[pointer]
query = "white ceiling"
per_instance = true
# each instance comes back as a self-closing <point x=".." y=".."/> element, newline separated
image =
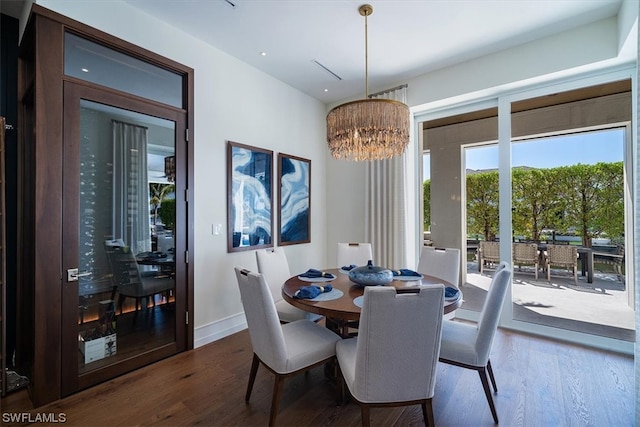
<point x="407" y="38"/>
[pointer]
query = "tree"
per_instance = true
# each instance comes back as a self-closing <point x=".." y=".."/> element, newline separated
<point x="594" y="195"/>
<point x="157" y="193"/>
<point x="611" y="215"/>
<point x="167" y="213"/>
<point x="426" y="194"/>
<point x="482" y="204"/>
<point x="535" y="202"/>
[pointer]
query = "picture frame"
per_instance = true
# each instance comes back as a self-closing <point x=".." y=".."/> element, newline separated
<point x="294" y="200"/>
<point x="249" y="197"/>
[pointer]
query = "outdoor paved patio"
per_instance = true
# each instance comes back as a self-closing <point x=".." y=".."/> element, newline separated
<point x="599" y="308"/>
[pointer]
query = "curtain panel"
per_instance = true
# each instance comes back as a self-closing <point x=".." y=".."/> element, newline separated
<point x="385" y="200"/>
<point x="130" y="186"/>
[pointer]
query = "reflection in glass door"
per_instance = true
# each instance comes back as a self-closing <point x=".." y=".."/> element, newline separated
<point x="124" y="275"/>
<point x="125" y="289"/>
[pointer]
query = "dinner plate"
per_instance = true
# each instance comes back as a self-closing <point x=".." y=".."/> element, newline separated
<point x="357" y="301"/>
<point x="328" y="296"/>
<point x="408" y="278"/>
<point x="316" y="279"/>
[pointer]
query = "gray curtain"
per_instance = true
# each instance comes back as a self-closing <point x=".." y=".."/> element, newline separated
<point x="385" y="201"/>
<point x="130" y="186"/>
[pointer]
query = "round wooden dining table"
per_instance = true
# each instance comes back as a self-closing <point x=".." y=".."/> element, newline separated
<point x="343" y="309"/>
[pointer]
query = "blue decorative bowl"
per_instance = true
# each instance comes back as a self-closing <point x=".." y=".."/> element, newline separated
<point x="369" y="275"/>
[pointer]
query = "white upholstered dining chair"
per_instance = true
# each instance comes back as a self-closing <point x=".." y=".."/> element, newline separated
<point x="389" y="364"/>
<point x="443" y="263"/>
<point x="284" y="349"/>
<point x="467" y="345"/>
<point x="273" y="265"/>
<point x="357" y="254"/>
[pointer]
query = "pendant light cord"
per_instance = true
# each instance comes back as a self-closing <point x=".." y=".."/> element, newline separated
<point x="366" y="58"/>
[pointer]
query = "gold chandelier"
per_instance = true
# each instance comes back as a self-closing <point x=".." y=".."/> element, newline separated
<point x="368" y="129"/>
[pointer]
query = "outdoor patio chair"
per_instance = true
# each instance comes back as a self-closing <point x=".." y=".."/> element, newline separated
<point x="489" y="253"/>
<point x="526" y="254"/>
<point x="564" y="256"/>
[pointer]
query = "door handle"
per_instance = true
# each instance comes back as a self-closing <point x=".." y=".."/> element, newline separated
<point x="73" y="274"/>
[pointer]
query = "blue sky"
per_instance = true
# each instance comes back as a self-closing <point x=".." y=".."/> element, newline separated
<point x="584" y="148"/>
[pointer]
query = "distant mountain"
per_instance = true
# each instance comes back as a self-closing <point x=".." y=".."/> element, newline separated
<point x="474" y="171"/>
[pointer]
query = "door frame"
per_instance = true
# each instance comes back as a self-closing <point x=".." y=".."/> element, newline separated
<point x="40" y="159"/>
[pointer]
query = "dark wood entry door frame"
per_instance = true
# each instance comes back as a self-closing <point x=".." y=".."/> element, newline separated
<point x="41" y="157"/>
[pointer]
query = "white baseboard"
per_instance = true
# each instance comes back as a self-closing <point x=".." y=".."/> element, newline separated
<point x="214" y="331"/>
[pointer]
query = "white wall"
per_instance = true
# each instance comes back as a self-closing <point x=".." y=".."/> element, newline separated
<point x="233" y="101"/>
<point x="513" y="67"/>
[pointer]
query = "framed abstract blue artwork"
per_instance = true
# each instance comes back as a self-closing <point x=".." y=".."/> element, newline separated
<point x="249" y="197"/>
<point x="294" y="200"/>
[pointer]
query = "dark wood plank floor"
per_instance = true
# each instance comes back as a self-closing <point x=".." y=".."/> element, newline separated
<point x="540" y="382"/>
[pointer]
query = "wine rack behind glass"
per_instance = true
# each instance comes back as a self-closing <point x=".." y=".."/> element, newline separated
<point x="3" y="263"/>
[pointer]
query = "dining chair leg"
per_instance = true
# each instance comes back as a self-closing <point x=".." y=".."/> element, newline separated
<point x="485" y="384"/>
<point x="364" y="411"/>
<point x="252" y="377"/>
<point x="120" y="302"/>
<point x="340" y="385"/>
<point x="427" y="412"/>
<point x="491" y="377"/>
<point x="275" y="399"/>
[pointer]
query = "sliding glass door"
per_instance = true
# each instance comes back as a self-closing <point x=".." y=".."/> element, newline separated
<point x="545" y="168"/>
<point x="568" y="197"/>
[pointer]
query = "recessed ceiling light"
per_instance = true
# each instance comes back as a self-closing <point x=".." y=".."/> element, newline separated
<point x="263" y="53"/>
<point x="326" y="90"/>
<point x="85" y="70"/>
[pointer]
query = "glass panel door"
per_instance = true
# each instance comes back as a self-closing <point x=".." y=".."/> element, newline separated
<point x="482" y="221"/>
<point x="121" y="295"/>
<point x="571" y="206"/>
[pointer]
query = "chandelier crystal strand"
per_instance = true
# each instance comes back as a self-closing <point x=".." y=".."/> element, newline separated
<point x="368" y="129"/>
